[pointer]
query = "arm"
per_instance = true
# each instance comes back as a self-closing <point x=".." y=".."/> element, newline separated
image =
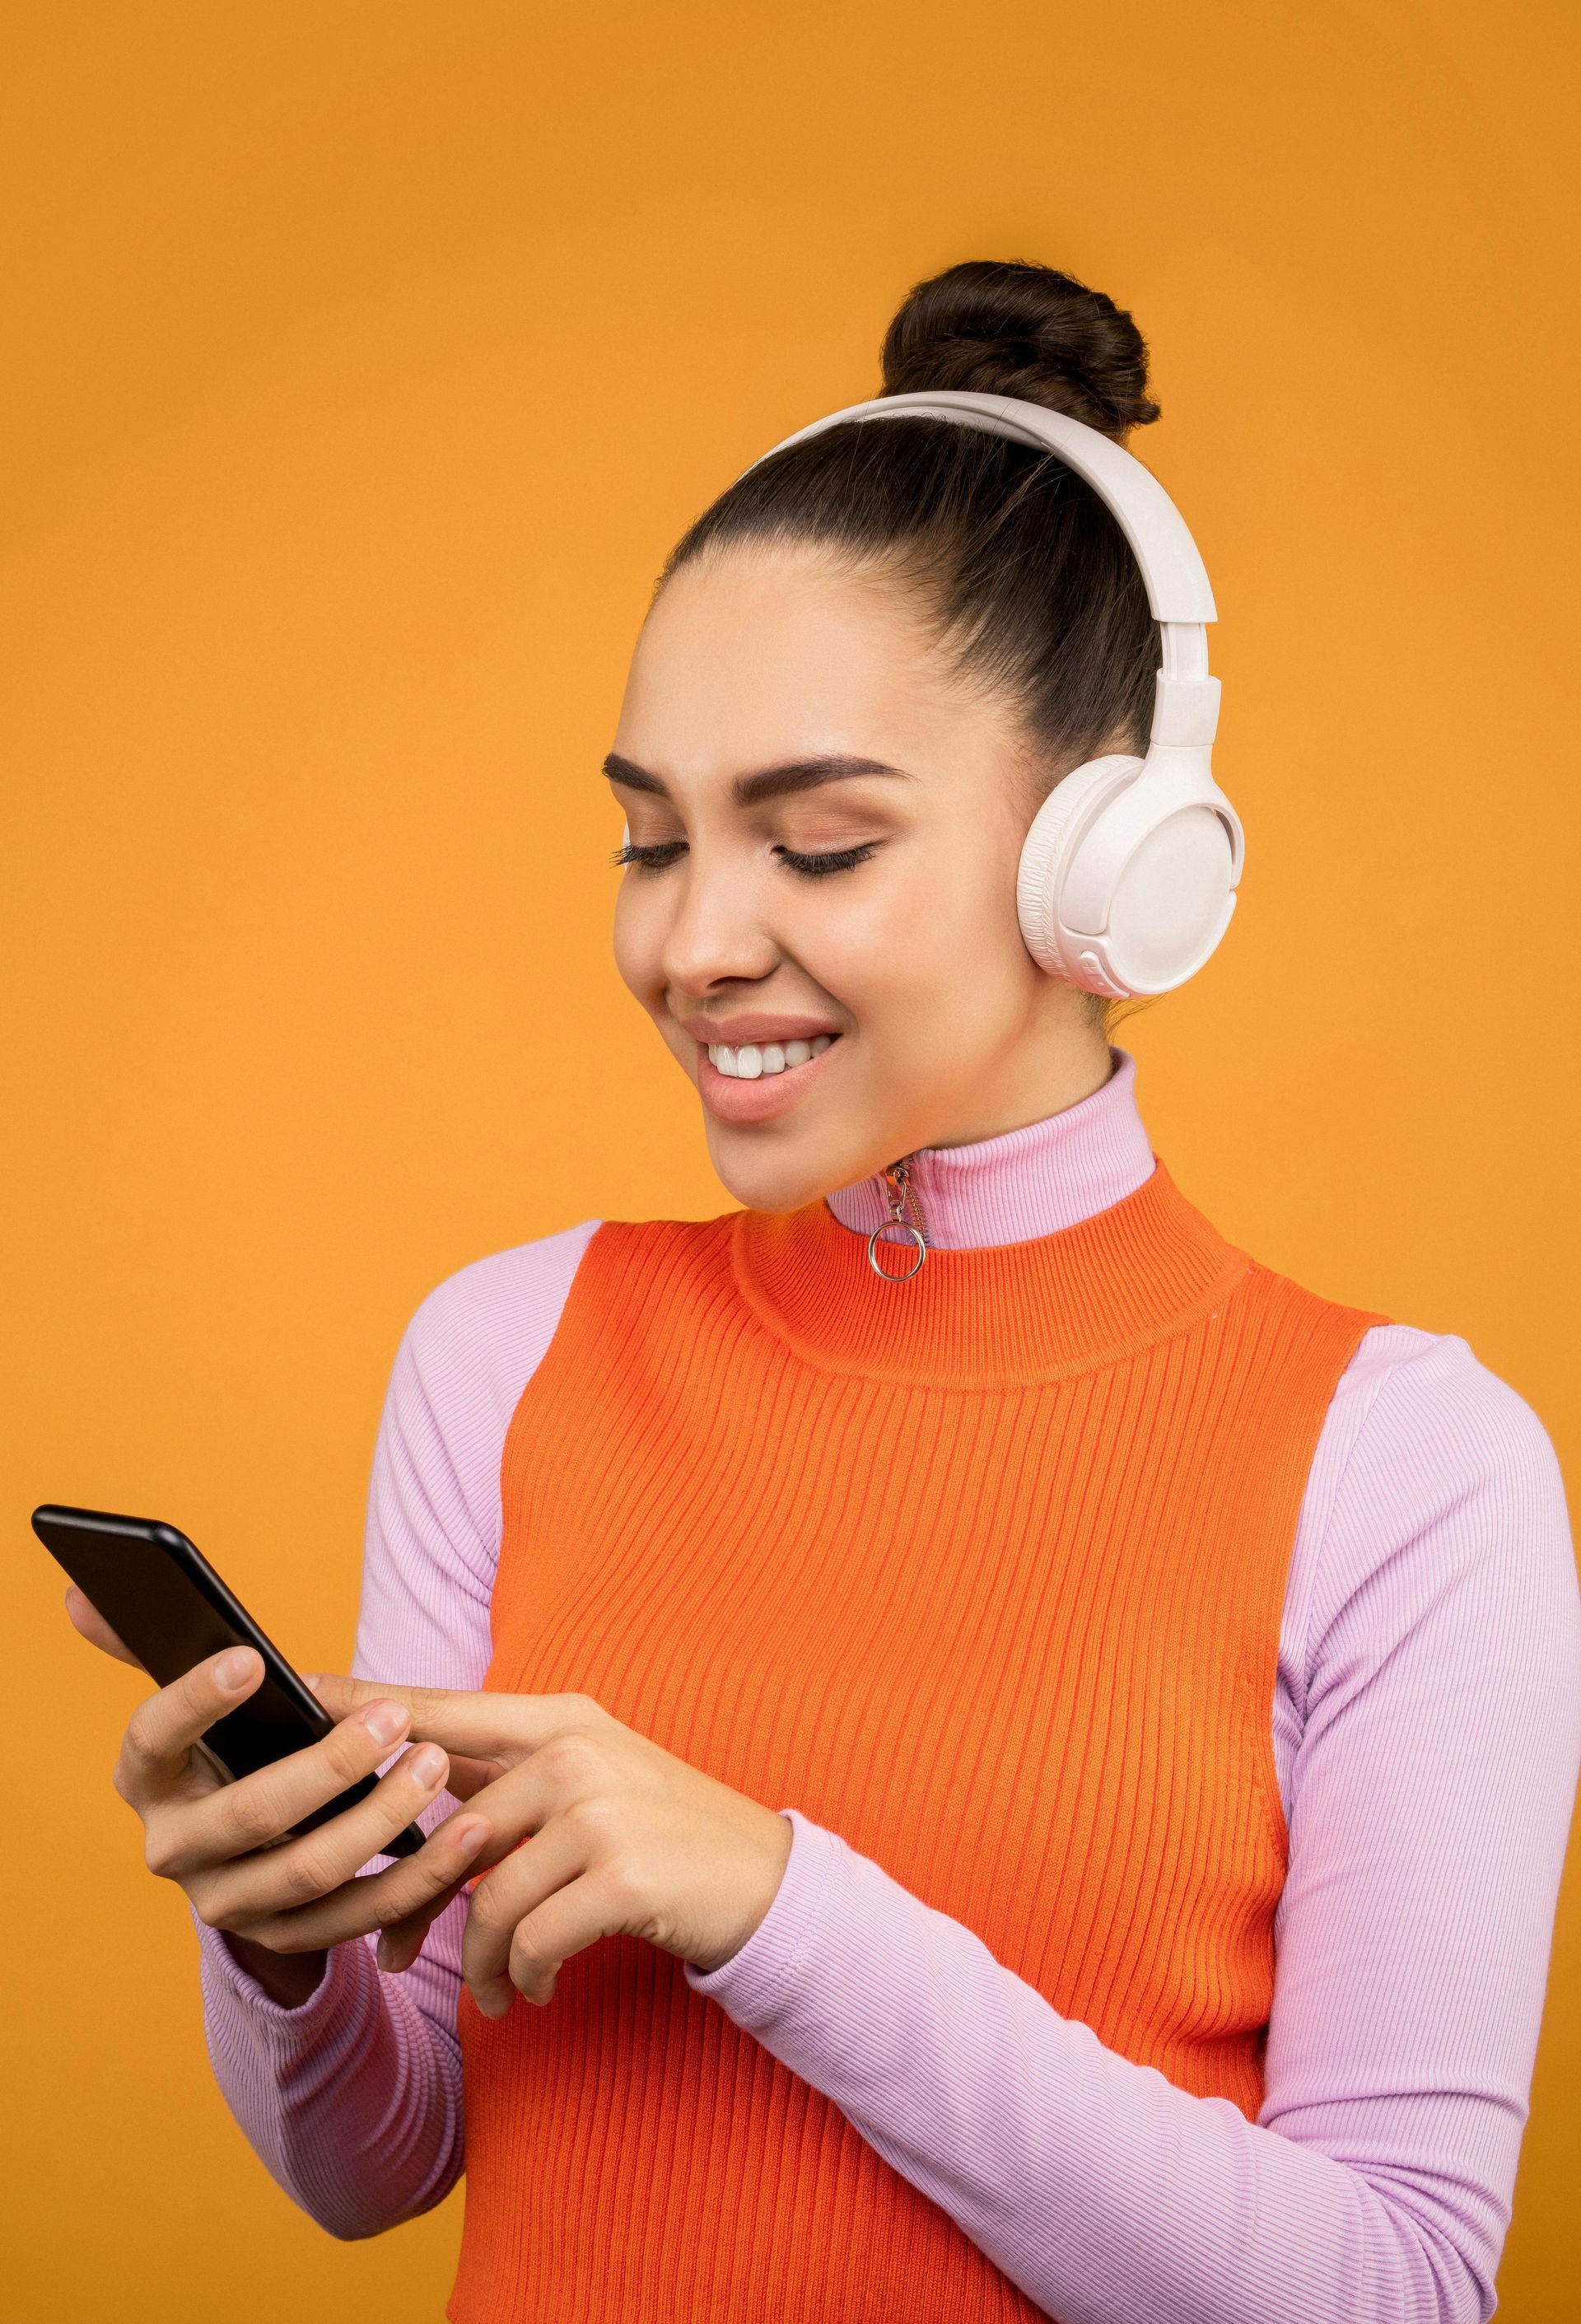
<point x="1432" y="1791"/>
<point x="352" y="2098"/>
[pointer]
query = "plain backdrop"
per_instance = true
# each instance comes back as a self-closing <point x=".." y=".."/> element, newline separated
<point x="364" y="362"/>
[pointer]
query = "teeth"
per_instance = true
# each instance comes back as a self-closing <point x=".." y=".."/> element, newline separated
<point x="748" y="1062"/>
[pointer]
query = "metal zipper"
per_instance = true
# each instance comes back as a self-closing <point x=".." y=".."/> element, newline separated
<point x="901" y="1197"/>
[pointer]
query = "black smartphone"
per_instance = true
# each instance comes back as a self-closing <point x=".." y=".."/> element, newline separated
<point x="162" y="1599"/>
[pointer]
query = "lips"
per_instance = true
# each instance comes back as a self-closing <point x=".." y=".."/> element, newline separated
<point x="746" y="1063"/>
<point x="756" y="1027"/>
<point x="731" y="1098"/>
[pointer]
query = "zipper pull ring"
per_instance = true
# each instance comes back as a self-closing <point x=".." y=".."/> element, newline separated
<point x="897" y="1179"/>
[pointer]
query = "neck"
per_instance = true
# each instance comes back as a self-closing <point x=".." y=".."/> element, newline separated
<point x="1046" y="1175"/>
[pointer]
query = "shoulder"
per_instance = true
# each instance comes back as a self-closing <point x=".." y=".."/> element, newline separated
<point x="477" y="1326"/>
<point x="478" y="1335"/>
<point x="1423" y="1401"/>
<point x="1434" y="1479"/>
<point x="463" y="1361"/>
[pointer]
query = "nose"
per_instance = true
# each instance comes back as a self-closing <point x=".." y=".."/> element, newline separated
<point x="717" y="934"/>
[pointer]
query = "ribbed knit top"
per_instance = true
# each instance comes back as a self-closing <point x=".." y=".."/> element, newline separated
<point x="982" y="1570"/>
<point x="1425" y="1722"/>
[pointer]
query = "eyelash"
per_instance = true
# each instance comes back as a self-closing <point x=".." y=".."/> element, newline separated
<point x="809" y="867"/>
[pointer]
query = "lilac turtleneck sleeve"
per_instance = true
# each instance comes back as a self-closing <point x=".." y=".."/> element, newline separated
<point x="1427" y="1732"/>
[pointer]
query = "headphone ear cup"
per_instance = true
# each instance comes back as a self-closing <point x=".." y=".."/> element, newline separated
<point x="1046" y="854"/>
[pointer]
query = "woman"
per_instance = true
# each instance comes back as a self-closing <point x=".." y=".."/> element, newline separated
<point x="1035" y="1787"/>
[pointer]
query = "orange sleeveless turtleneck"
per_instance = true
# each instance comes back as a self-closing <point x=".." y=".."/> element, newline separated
<point x="984" y="1571"/>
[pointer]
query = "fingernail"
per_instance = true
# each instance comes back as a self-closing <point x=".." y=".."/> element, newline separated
<point x="235" y="1669"/>
<point x="384" y="1720"/>
<point x="469" y="1841"/>
<point x="426" y="1763"/>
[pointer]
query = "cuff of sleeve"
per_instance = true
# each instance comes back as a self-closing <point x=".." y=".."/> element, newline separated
<point x="347" y="1969"/>
<point x="748" y="1985"/>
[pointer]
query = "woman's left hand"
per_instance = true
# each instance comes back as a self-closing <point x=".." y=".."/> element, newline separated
<point x="625" y="1838"/>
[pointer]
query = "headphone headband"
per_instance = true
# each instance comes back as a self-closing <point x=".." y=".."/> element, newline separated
<point x="1171" y="568"/>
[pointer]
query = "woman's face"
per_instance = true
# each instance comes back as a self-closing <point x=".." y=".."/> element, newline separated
<point x="836" y="827"/>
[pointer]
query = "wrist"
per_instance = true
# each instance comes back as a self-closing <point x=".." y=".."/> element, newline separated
<point x="779" y="1834"/>
<point x="751" y="1985"/>
<point x="289" y="1979"/>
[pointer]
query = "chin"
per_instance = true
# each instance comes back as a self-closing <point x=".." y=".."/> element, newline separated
<point x="764" y="1176"/>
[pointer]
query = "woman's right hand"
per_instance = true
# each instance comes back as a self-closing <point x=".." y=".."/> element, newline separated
<point x="280" y="1902"/>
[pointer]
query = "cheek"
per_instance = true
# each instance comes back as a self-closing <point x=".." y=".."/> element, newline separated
<point x="947" y="978"/>
<point x="940" y="900"/>
<point x="638" y="939"/>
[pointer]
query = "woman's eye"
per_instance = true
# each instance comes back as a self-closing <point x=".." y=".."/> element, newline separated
<point x="818" y="867"/>
<point x="810" y="867"/>
<point x="649" y="859"/>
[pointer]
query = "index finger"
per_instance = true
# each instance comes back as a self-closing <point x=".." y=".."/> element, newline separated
<point x="162" y="1729"/>
<point x="478" y="1726"/>
<point x="87" y="1620"/>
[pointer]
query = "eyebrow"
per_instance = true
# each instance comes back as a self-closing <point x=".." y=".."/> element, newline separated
<point x="767" y="782"/>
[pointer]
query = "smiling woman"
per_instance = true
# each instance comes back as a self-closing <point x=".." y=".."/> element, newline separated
<point x="789" y="712"/>
<point x="1032" y="1787"/>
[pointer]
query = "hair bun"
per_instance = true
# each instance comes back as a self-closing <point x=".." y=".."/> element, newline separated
<point x="1005" y="327"/>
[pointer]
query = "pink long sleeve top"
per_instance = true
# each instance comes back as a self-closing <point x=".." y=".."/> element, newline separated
<point x="1427" y="1732"/>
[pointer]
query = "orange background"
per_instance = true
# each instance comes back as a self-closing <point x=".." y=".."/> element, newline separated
<point x="364" y="361"/>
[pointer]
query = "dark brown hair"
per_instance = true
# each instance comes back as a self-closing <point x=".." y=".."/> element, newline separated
<point x="1025" y="573"/>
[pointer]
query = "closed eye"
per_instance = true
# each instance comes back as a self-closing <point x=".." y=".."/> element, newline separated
<point x="809" y="867"/>
<point x="817" y="867"/>
<point x="649" y="859"/>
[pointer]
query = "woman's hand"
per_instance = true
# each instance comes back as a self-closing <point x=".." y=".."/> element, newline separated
<point x="224" y="1844"/>
<point x="625" y="1838"/>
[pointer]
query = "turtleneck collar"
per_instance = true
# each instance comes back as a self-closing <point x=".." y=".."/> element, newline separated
<point x="1027" y="1182"/>
<point x="1052" y="1249"/>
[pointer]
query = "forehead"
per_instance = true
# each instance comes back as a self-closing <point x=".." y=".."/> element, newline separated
<point x="756" y="655"/>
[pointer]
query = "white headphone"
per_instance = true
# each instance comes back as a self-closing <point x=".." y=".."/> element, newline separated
<point x="1128" y="872"/>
